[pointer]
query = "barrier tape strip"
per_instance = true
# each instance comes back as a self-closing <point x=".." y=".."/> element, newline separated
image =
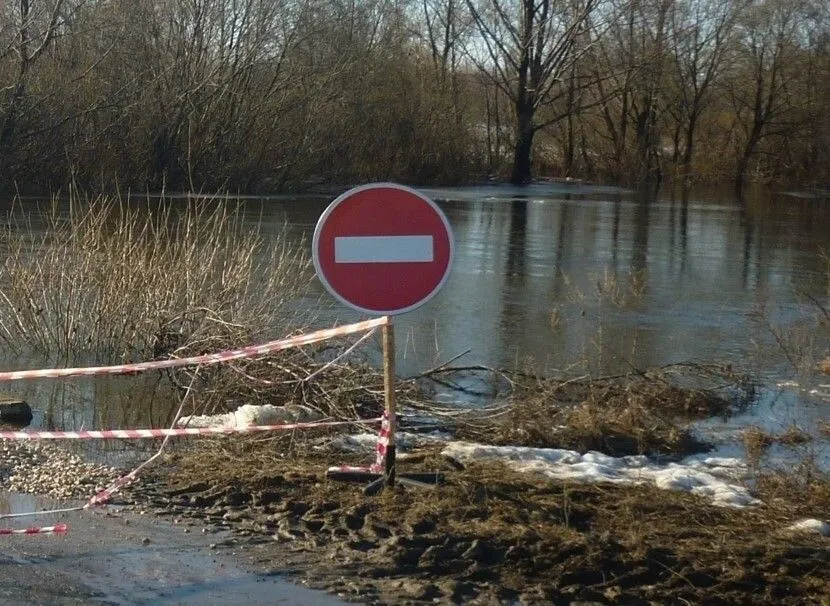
<point x="382" y="445"/>
<point x="380" y="452"/>
<point x="56" y="529"/>
<point x="203" y="360"/>
<point x="133" y="434"/>
<point x="103" y="496"/>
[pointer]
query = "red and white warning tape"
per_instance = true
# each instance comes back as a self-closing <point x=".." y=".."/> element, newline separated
<point x="103" y="496"/>
<point x="203" y="360"/>
<point x="132" y="434"/>
<point x="382" y="445"/>
<point x="380" y="452"/>
<point x="56" y="529"/>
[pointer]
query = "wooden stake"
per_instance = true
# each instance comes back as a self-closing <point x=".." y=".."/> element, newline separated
<point x="389" y="397"/>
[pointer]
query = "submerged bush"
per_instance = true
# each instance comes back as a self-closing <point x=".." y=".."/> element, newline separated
<point x="115" y="280"/>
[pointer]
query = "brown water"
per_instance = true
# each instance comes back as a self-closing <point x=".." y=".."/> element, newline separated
<point x="596" y="278"/>
<point x="577" y="278"/>
<point x="557" y="273"/>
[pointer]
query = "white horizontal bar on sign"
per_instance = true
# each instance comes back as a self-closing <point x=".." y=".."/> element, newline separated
<point x="383" y="249"/>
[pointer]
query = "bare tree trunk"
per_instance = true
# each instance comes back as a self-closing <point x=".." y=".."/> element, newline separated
<point x="528" y="46"/>
<point x="522" y="170"/>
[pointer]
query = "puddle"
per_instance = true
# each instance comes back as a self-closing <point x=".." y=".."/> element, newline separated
<point x="116" y="557"/>
<point x="775" y="411"/>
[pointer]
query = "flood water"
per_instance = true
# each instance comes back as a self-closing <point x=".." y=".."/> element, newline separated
<point x="567" y="274"/>
<point x="568" y="277"/>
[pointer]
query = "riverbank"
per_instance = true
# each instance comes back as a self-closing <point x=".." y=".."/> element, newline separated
<point x="576" y="490"/>
<point x="491" y="534"/>
<point x="581" y="489"/>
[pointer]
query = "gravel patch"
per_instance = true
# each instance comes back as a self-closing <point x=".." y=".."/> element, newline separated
<point x="47" y="469"/>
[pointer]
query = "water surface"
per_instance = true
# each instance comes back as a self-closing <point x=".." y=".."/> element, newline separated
<point x="573" y="277"/>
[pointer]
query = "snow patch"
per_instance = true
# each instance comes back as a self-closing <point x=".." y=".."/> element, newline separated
<point x="824" y="394"/>
<point x="712" y="477"/>
<point x="810" y="526"/>
<point x="787" y="384"/>
<point x="250" y="414"/>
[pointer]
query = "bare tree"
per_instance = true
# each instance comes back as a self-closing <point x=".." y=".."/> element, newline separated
<point x="529" y="47"/>
<point x="699" y="32"/>
<point x="629" y="64"/>
<point x="444" y="29"/>
<point x="28" y="30"/>
<point x="765" y="84"/>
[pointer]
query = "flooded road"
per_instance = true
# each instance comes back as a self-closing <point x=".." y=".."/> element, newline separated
<point x="578" y="278"/>
<point x="551" y="277"/>
<point x="119" y="558"/>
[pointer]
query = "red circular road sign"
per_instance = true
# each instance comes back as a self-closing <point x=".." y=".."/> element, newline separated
<point x="383" y="248"/>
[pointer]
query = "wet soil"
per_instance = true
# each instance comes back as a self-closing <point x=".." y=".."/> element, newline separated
<point x="489" y="535"/>
<point x="117" y="557"/>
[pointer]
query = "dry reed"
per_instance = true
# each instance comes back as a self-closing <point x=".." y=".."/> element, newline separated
<point x="114" y="280"/>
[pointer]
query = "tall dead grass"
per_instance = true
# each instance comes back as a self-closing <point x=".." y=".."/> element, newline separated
<point x="633" y="413"/>
<point x="112" y="279"/>
<point x="805" y="341"/>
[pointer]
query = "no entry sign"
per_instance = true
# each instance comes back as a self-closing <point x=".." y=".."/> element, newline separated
<point x="383" y="248"/>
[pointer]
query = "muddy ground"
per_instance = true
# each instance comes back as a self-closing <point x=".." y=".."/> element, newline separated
<point x="117" y="558"/>
<point x="489" y="535"/>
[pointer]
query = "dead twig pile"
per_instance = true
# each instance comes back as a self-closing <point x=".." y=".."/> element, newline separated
<point x="633" y="413"/>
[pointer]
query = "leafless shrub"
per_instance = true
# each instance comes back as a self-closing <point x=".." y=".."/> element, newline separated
<point x="756" y="441"/>
<point x="634" y="413"/>
<point x="117" y="281"/>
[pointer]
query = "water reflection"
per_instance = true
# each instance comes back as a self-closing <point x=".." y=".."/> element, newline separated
<point x="699" y="261"/>
<point x="516" y="253"/>
<point x="636" y="278"/>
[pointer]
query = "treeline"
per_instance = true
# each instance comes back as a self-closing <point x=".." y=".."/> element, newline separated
<point x="262" y="95"/>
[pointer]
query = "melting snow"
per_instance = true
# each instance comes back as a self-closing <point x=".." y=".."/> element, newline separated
<point x="787" y="384"/>
<point x="712" y="477"/>
<point x="250" y="414"/>
<point x="810" y="526"/>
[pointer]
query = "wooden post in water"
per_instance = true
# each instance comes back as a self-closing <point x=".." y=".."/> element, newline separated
<point x="389" y="397"/>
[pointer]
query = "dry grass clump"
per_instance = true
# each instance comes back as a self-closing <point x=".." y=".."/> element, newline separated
<point x="637" y="413"/>
<point x="683" y="391"/>
<point x="800" y="492"/>
<point x="757" y="440"/>
<point x="793" y="436"/>
<point x="597" y="424"/>
<point x="118" y="280"/>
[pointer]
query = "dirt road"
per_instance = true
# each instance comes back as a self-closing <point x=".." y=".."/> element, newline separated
<point x="122" y="558"/>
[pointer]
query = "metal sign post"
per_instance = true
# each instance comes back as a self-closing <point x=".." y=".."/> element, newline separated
<point x="383" y="249"/>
